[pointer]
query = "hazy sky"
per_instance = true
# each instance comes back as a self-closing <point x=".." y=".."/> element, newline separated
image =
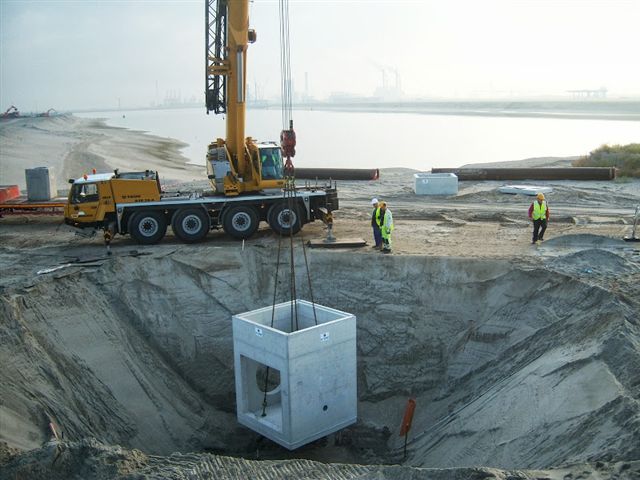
<point x="82" y="54"/>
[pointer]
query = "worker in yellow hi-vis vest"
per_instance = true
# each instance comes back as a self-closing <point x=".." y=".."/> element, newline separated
<point x="385" y="221"/>
<point x="539" y="213"/>
<point x="375" y="223"/>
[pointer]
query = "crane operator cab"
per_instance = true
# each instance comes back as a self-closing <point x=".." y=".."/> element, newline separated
<point x="271" y="162"/>
<point x="261" y="168"/>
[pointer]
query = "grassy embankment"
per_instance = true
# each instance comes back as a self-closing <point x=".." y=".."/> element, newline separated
<point x="626" y="158"/>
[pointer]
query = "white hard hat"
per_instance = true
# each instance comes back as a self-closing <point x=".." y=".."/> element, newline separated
<point x="374" y="201"/>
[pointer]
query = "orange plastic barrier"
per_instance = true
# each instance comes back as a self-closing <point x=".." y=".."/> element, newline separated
<point x="9" y="192"/>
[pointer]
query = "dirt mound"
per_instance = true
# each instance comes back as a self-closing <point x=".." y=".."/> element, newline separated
<point x="91" y="459"/>
<point x="586" y="240"/>
<point x="596" y="262"/>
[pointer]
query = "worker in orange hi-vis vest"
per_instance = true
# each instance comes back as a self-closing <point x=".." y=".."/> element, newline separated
<point x="539" y="213"/>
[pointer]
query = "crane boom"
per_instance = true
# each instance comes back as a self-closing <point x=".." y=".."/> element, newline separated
<point x="247" y="176"/>
<point x="235" y="164"/>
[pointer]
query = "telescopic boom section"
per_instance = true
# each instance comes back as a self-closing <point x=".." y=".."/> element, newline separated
<point x="235" y="163"/>
<point x="237" y="42"/>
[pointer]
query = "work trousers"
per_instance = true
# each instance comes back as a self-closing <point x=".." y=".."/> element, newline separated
<point x="539" y="227"/>
<point x="386" y="242"/>
<point x="377" y="236"/>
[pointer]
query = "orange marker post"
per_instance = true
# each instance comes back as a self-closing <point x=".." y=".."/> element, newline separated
<point x="406" y="422"/>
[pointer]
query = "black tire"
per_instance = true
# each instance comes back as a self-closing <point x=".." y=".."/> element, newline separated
<point x="147" y="227"/>
<point x="191" y="224"/>
<point x="240" y="222"/>
<point x="284" y="221"/>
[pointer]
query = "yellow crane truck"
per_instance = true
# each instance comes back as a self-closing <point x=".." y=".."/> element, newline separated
<point x="248" y="178"/>
<point x="133" y="203"/>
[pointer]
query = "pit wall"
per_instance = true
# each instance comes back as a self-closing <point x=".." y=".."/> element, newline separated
<point x="504" y="361"/>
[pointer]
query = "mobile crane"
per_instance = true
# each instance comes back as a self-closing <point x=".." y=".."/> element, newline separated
<point x="248" y="178"/>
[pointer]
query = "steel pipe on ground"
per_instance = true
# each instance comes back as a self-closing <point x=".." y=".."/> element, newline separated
<point x="337" y="173"/>
<point x="570" y="173"/>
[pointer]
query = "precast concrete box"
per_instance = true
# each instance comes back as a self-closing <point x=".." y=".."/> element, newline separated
<point x="41" y="184"/>
<point x="436" y="184"/>
<point x="305" y="372"/>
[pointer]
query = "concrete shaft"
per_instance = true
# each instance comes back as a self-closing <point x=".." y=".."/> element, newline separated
<point x="311" y="386"/>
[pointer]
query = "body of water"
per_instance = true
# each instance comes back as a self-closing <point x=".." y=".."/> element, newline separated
<point x="381" y="140"/>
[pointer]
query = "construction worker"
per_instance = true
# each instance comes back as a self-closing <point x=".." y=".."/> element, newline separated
<point x="385" y="222"/>
<point x="375" y="216"/>
<point x="539" y="213"/>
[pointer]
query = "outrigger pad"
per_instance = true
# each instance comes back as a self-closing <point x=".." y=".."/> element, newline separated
<point x="344" y="243"/>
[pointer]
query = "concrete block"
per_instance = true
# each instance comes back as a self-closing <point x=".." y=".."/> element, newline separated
<point x="311" y="388"/>
<point x="435" y="184"/>
<point x="41" y="184"/>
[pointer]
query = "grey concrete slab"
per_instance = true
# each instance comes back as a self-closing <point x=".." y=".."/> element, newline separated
<point x="435" y="184"/>
<point x="41" y="184"/>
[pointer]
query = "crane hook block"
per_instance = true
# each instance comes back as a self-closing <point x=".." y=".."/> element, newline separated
<point x="408" y="417"/>
<point x="288" y="143"/>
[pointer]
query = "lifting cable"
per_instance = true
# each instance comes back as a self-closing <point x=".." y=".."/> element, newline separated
<point x="289" y="195"/>
<point x="287" y="138"/>
<point x="285" y="66"/>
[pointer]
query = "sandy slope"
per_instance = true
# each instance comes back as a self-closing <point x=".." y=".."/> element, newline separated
<point x="72" y="146"/>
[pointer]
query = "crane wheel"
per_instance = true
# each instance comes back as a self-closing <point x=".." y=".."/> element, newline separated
<point x="147" y="227"/>
<point x="190" y="224"/>
<point x="240" y="222"/>
<point x="283" y="220"/>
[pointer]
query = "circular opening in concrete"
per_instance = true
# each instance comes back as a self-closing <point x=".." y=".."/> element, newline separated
<point x="267" y="378"/>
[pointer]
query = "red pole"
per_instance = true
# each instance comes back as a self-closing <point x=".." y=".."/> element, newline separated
<point x="406" y="422"/>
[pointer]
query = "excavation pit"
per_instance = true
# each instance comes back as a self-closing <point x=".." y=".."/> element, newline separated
<point x="512" y="366"/>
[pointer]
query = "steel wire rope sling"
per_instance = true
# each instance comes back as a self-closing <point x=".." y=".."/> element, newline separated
<point x="287" y="144"/>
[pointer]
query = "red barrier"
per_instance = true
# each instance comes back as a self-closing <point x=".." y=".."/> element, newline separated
<point x="9" y="192"/>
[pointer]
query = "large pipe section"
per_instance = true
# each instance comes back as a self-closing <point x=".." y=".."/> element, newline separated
<point x="570" y="173"/>
<point x="337" y="173"/>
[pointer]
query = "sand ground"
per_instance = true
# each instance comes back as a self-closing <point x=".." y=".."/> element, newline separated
<point x="72" y="146"/>
<point x="581" y="333"/>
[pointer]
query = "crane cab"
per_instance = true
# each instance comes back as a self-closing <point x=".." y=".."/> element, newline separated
<point x="263" y="171"/>
<point x="271" y="163"/>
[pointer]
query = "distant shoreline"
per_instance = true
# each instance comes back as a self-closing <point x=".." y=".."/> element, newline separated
<point x="462" y="113"/>
<point x="616" y="110"/>
<point x="76" y="145"/>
